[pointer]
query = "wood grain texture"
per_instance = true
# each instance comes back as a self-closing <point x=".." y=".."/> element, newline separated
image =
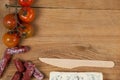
<point x="82" y="4"/>
<point x="85" y="33"/>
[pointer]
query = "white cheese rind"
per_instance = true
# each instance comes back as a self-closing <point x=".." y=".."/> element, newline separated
<point x="76" y="76"/>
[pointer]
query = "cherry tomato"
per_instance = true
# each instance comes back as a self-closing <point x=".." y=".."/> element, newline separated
<point x="25" y="2"/>
<point x="26" y="14"/>
<point x="9" y="21"/>
<point x="11" y="39"/>
<point x="27" y="30"/>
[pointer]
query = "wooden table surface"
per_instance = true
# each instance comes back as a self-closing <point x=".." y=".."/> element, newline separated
<point x="77" y="29"/>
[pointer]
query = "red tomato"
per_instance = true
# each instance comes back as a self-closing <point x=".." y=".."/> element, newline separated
<point x="9" y="21"/>
<point x="26" y="14"/>
<point x="27" y="30"/>
<point x="11" y="39"/>
<point x="25" y="2"/>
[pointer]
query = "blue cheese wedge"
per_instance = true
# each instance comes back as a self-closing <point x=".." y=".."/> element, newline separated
<point x="76" y="76"/>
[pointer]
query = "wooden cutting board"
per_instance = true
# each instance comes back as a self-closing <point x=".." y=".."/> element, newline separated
<point x="75" y="29"/>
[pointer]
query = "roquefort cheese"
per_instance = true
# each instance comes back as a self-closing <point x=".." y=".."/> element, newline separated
<point x="76" y="76"/>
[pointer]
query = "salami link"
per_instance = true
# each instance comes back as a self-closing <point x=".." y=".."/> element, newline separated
<point x="19" y="65"/>
<point x="17" y="50"/>
<point x="38" y="75"/>
<point x="29" y="70"/>
<point x="17" y="76"/>
<point x="4" y="62"/>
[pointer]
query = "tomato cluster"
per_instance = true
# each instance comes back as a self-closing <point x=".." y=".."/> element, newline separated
<point x="19" y="24"/>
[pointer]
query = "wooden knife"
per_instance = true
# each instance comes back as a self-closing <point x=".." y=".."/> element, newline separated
<point x="73" y="63"/>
